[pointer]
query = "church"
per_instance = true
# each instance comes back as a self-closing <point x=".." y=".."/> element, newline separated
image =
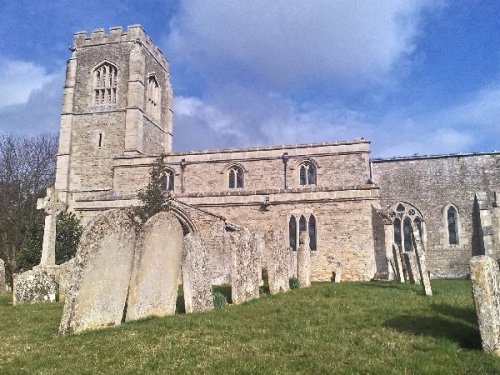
<point x="117" y="120"/>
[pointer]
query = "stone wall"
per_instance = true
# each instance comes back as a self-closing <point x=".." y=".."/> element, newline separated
<point x="431" y="184"/>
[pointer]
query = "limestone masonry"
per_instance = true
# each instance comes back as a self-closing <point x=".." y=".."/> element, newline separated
<point x="356" y="213"/>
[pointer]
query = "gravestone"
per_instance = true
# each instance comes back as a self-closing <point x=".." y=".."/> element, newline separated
<point x="485" y="278"/>
<point x="277" y="259"/>
<point x="101" y="273"/>
<point x="422" y="267"/>
<point x="304" y="261"/>
<point x="292" y="268"/>
<point x="410" y="259"/>
<point x="196" y="278"/>
<point x="3" y="284"/>
<point x="52" y="207"/>
<point x="244" y="266"/>
<point x="157" y="265"/>
<point x="400" y="274"/>
<point x="33" y="286"/>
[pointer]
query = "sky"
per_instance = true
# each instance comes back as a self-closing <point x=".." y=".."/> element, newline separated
<point x="413" y="77"/>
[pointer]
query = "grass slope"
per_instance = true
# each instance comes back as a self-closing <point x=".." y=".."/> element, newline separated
<point x="375" y="328"/>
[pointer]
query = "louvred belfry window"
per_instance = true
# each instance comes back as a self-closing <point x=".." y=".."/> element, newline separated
<point x="104" y="85"/>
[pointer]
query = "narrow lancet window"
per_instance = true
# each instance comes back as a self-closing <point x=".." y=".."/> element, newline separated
<point x="312" y="233"/>
<point x="397" y="231"/>
<point x="292" y="233"/>
<point x="407" y="234"/>
<point x="170" y="180"/>
<point x="452" y="226"/>
<point x="302" y="224"/>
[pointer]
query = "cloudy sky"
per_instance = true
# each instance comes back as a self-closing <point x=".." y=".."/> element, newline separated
<point x="412" y="76"/>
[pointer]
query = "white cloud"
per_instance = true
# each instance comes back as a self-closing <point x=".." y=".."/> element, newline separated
<point x="289" y="44"/>
<point x="19" y="79"/>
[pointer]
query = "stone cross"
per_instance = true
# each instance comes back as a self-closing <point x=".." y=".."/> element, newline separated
<point x="53" y="207"/>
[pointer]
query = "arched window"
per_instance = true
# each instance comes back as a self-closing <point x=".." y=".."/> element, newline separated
<point x="292" y="232"/>
<point x="307" y="172"/>
<point x="408" y="234"/>
<point x="235" y="177"/>
<point x="104" y="85"/>
<point x="452" y="219"/>
<point x="312" y="233"/>
<point x="397" y="231"/>
<point x="170" y="180"/>
<point x="302" y="224"/>
<point x="153" y="108"/>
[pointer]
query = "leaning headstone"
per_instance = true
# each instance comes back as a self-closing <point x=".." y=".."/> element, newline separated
<point x="196" y="278"/>
<point x="486" y="291"/>
<point x="65" y="277"/>
<point x="157" y="266"/>
<point x="337" y="273"/>
<point x="400" y="275"/>
<point x="101" y="273"/>
<point x="3" y="284"/>
<point x="244" y="266"/>
<point x="304" y="261"/>
<point x="410" y="259"/>
<point x="277" y="255"/>
<point x="33" y="286"/>
<point x="422" y="267"/>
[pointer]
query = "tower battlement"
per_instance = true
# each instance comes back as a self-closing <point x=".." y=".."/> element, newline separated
<point x="134" y="33"/>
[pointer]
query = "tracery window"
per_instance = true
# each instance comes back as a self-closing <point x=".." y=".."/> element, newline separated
<point x="307" y="173"/>
<point x="104" y="85"/>
<point x="307" y="225"/>
<point x="404" y="218"/>
<point x="170" y="180"/>
<point x="235" y="177"/>
<point x="153" y="108"/>
<point x="292" y="232"/>
<point x="452" y="221"/>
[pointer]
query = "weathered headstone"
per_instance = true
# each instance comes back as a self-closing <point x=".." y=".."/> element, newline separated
<point x="304" y="261"/>
<point x="196" y="278"/>
<point x="65" y="270"/>
<point x="244" y="266"/>
<point x="422" y="267"/>
<point x="33" y="286"/>
<point x="277" y="256"/>
<point x="101" y="274"/>
<point x="157" y="266"/>
<point x="486" y="291"/>
<point x="337" y="273"/>
<point x="53" y="207"/>
<point x="3" y="283"/>
<point x="410" y="259"/>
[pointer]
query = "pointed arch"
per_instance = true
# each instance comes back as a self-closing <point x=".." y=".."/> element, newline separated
<point x="312" y="233"/>
<point x="451" y="222"/>
<point x="104" y="84"/>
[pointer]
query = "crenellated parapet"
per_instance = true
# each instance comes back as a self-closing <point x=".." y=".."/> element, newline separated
<point x="134" y="34"/>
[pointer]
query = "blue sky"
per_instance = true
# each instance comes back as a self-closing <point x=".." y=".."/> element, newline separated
<point x="412" y="76"/>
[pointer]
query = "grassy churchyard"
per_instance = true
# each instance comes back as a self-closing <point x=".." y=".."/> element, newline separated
<point x="367" y="328"/>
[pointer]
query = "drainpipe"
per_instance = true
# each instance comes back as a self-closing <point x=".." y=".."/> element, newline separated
<point x="285" y="163"/>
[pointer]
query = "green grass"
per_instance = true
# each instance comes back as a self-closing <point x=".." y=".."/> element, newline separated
<point x="367" y="328"/>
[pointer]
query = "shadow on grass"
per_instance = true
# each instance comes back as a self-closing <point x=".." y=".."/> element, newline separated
<point x="466" y="314"/>
<point x="463" y="334"/>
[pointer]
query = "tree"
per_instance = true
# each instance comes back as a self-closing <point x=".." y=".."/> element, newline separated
<point x="154" y="196"/>
<point x="27" y="168"/>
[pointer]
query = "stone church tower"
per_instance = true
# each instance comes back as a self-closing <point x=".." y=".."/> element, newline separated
<point x="117" y="103"/>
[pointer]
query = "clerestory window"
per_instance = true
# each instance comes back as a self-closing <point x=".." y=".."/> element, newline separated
<point x="307" y="174"/>
<point x="104" y="85"/>
<point x="235" y="177"/>
<point x="170" y="180"/>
